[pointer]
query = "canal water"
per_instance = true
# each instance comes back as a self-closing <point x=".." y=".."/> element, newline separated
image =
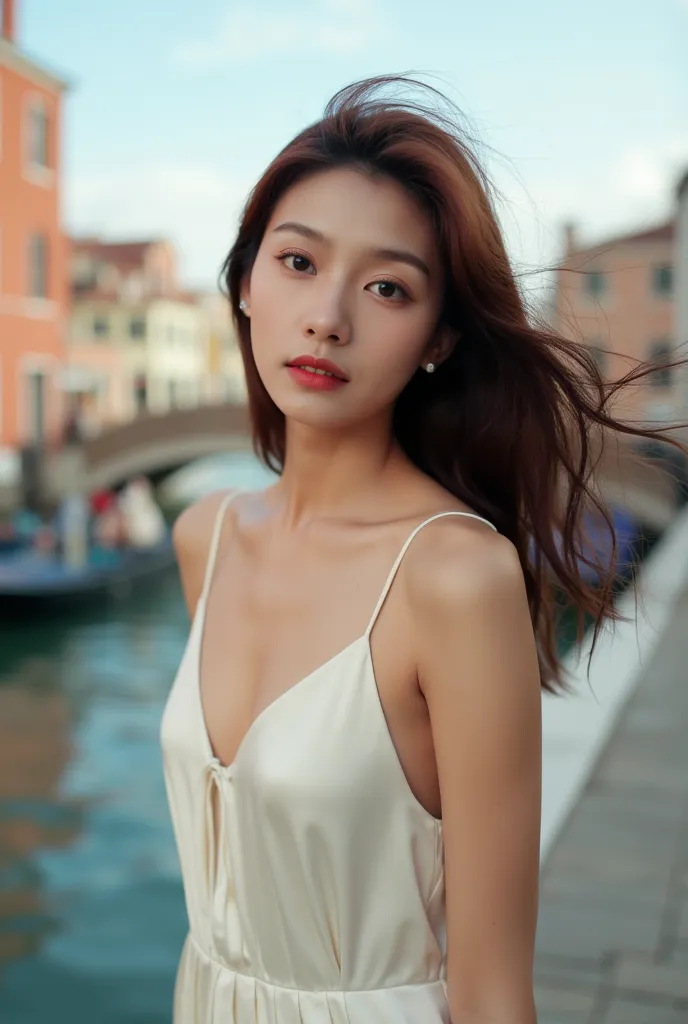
<point x="92" y="915"/>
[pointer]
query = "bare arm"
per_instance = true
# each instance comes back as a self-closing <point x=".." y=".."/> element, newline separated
<point x="478" y="670"/>
<point x="192" y="535"/>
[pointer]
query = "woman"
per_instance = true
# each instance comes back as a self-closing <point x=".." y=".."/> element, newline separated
<point x="352" y="753"/>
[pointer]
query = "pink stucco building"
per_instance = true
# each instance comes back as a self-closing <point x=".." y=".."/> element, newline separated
<point x="33" y="269"/>
<point x="617" y="297"/>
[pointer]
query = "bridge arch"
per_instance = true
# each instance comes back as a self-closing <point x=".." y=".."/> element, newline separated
<point x="157" y="445"/>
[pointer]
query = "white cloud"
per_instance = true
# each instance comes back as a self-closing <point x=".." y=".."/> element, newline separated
<point x="633" y="190"/>
<point x="644" y="174"/>
<point x="312" y="28"/>
<point x="195" y="205"/>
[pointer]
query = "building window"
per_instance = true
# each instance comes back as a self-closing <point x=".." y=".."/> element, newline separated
<point x="663" y="280"/>
<point x="595" y="284"/>
<point x="38" y="136"/>
<point x="38" y="266"/>
<point x="83" y="273"/>
<point x="660" y="353"/>
<point x="101" y="327"/>
<point x="35" y="396"/>
<point x="137" y="327"/>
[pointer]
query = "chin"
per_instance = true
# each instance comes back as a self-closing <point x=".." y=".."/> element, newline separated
<point x="311" y="411"/>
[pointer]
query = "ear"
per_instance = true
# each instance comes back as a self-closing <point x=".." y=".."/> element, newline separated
<point x="441" y="346"/>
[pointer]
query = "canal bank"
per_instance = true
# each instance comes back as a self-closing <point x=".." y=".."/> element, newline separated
<point x="613" y="926"/>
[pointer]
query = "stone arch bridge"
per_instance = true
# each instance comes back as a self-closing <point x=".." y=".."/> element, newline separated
<point x="157" y="445"/>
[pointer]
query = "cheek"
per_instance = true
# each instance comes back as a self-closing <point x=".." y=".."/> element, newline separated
<point x="396" y="347"/>
<point x="269" y="317"/>
<point x="264" y="280"/>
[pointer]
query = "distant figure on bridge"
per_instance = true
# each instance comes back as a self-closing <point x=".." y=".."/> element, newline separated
<point x="107" y="524"/>
<point x="143" y="524"/>
<point x="73" y="432"/>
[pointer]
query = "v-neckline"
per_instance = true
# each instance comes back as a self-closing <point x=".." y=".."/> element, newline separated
<point x="273" y="704"/>
<point x="228" y="769"/>
<point x="198" y="625"/>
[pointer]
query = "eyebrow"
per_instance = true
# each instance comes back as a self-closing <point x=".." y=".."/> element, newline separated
<point x="398" y="255"/>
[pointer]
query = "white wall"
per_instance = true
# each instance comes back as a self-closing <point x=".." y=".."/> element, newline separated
<point x="177" y="353"/>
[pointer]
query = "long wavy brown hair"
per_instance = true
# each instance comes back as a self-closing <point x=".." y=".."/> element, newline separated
<point x="512" y="424"/>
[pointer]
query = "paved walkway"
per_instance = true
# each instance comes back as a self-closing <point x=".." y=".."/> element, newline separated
<point x="613" y="932"/>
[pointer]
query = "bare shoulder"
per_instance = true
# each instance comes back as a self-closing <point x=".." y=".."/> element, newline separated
<point x="459" y="559"/>
<point x="192" y="535"/>
<point x="466" y="593"/>
<point x="195" y="524"/>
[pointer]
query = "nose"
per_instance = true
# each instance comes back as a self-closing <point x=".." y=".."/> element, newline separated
<point x="327" y="321"/>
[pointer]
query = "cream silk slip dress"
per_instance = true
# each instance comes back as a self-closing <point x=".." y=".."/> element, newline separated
<point x="313" y="877"/>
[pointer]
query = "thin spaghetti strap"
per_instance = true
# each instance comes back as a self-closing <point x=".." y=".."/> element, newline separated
<point x="215" y="541"/>
<point x="397" y="563"/>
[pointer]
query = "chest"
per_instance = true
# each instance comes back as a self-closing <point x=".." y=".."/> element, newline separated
<point x="273" y="623"/>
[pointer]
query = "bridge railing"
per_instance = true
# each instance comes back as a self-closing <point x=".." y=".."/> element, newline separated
<point x="148" y="430"/>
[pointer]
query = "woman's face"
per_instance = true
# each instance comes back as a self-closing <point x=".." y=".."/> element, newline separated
<point x="347" y="271"/>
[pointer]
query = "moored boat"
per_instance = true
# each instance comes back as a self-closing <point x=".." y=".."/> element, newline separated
<point x="34" y="581"/>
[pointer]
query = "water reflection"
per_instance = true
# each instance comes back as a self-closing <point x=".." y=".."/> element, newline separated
<point x="92" y="915"/>
<point x="91" y="909"/>
<point x="35" y="748"/>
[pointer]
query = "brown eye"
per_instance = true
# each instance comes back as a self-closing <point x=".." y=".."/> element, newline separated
<point x="299" y="262"/>
<point x="390" y="290"/>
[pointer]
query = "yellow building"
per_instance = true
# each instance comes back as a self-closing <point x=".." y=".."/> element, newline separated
<point x="225" y="368"/>
<point x="137" y="342"/>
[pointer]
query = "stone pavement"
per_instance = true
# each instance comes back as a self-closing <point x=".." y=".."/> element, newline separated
<point x="613" y="932"/>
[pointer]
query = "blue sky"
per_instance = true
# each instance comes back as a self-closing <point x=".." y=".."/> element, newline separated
<point x="176" y="107"/>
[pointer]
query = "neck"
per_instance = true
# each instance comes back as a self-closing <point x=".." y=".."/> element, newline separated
<point x="328" y="471"/>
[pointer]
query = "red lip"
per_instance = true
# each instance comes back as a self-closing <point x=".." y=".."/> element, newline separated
<point x="319" y="364"/>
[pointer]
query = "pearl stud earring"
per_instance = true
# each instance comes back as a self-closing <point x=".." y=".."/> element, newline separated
<point x="430" y="368"/>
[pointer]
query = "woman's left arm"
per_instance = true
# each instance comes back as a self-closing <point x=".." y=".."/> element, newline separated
<point x="479" y="673"/>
